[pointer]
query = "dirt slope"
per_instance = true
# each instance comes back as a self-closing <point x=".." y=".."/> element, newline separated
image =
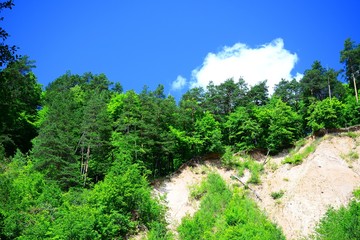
<point x="324" y="179"/>
<point x="176" y="189"/>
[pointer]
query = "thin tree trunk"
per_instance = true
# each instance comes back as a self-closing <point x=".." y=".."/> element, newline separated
<point x="86" y="163"/>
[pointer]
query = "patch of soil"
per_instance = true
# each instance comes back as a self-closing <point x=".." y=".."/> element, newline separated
<point x="324" y="179"/>
<point x="176" y="189"/>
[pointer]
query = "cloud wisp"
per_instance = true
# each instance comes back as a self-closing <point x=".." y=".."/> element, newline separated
<point x="179" y="83"/>
<point x="270" y="62"/>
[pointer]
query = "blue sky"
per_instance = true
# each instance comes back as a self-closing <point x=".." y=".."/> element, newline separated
<point x="141" y="43"/>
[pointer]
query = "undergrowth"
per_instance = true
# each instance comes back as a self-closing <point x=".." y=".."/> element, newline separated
<point x="342" y="223"/>
<point x="296" y="156"/>
<point x="224" y="214"/>
<point x="241" y="163"/>
<point x="197" y="191"/>
<point x="277" y="195"/>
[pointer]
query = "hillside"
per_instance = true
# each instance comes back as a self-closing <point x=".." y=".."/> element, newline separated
<point x="325" y="178"/>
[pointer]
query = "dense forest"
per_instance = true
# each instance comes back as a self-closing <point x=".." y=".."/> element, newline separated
<point x="77" y="157"/>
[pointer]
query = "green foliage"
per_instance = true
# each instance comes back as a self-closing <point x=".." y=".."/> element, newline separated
<point x="259" y="94"/>
<point x="316" y="81"/>
<point x="350" y="57"/>
<point x="255" y="169"/>
<point x="75" y="130"/>
<point x="326" y="114"/>
<point x="228" y="159"/>
<point x="284" y="126"/>
<point x="7" y="53"/>
<point x="277" y="195"/>
<point x="29" y="202"/>
<point x="209" y="132"/>
<point x="158" y="231"/>
<point x="353" y="155"/>
<point x="297" y="157"/>
<point x="351" y="111"/>
<point x="212" y="205"/>
<point x="34" y="208"/>
<point x="241" y="163"/>
<point x="353" y="135"/>
<point x="198" y="191"/>
<point x="274" y="126"/>
<point x="124" y="201"/>
<point x="342" y="223"/>
<point x="224" y="98"/>
<point x="227" y="215"/>
<point x="20" y="97"/>
<point x="288" y="92"/>
<point x="243" y="129"/>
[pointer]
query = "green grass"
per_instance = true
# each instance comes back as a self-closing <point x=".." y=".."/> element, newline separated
<point x="352" y="134"/>
<point x="277" y="195"/>
<point x="297" y="157"/>
<point x="342" y="223"/>
<point x="226" y="214"/>
<point x="241" y="163"/>
<point x="353" y="155"/>
<point x="197" y="191"/>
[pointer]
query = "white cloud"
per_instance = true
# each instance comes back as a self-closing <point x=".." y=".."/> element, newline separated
<point x="179" y="83"/>
<point x="270" y="62"/>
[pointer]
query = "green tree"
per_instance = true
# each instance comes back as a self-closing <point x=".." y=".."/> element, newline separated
<point x="74" y="137"/>
<point x="7" y="52"/>
<point x="284" y="128"/>
<point x="94" y="143"/>
<point x="124" y="201"/>
<point x="327" y="114"/>
<point x="288" y="92"/>
<point x="209" y="133"/>
<point x="224" y="98"/>
<point x="55" y="147"/>
<point x="28" y="203"/>
<point x="244" y="131"/>
<point x="125" y="112"/>
<point x="350" y="57"/>
<point x="20" y="98"/>
<point x="141" y="124"/>
<point x="352" y="108"/>
<point x="320" y="83"/>
<point x="259" y="94"/>
<point x="191" y="108"/>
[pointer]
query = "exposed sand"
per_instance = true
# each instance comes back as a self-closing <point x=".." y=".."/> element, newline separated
<point x="324" y="179"/>
<point x="176" y="189"/>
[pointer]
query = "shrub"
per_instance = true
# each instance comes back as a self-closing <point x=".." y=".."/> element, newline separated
<point x="343" y="223"/>
<point x="227" y="215"/>
<point x="298" y="157"/>
<point x="277" y="195"/>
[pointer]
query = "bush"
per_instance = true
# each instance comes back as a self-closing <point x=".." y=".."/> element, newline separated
<point x="228" y="159"/>
<point x="227" y="215"/>
<point x="277" y="195"/>
<point x="327" y="114"/>
<point x="343" y="223"/>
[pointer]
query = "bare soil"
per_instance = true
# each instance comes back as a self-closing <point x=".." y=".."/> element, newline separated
<point x="326" y="178"/>
<point x="176" y="189"/>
